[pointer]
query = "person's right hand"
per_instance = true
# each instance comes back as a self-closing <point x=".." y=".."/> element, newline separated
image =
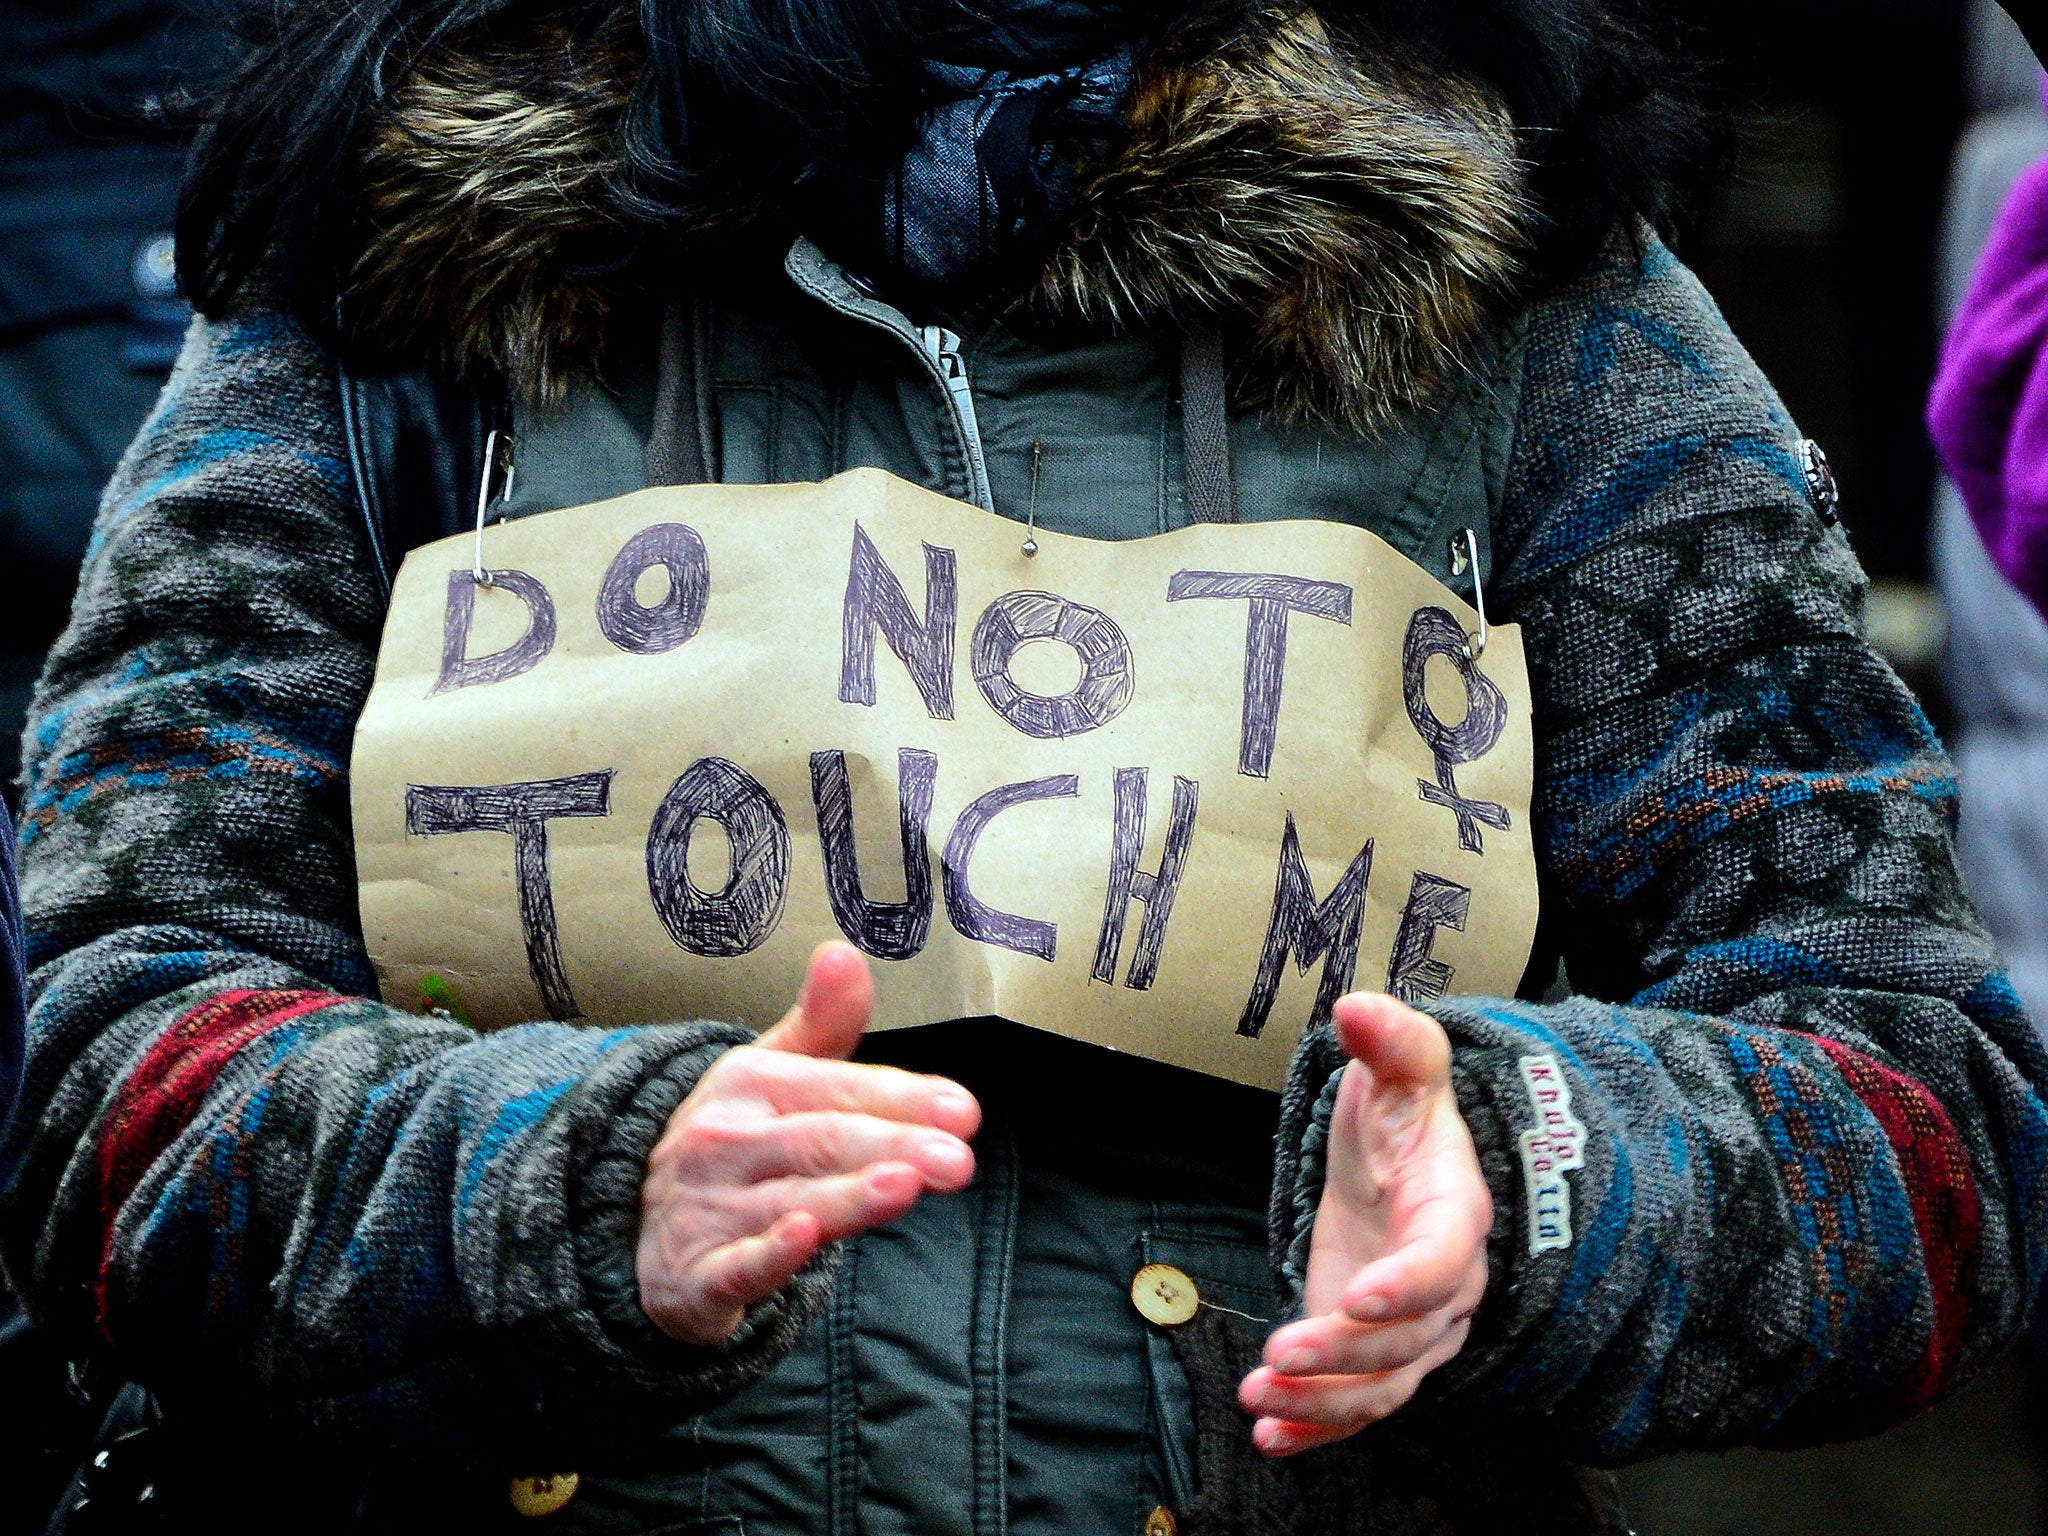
<point x="785" y="1146"/>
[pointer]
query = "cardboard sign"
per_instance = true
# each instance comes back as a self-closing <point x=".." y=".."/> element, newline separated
<point x="1173" y="796"/>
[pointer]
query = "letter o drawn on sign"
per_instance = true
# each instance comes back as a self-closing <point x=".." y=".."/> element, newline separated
<point x="1017" y="618"/>
<point x="631" y="625"/>
<point x="738" y="919"/>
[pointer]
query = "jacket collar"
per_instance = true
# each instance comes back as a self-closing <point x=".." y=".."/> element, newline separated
<point x="1351" y="221"/>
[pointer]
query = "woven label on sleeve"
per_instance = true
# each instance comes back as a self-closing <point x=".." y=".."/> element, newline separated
<point x="1552" y="1148"/>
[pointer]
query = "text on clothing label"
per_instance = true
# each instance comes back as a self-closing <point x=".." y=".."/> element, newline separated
<point x="1553" y="1147"/>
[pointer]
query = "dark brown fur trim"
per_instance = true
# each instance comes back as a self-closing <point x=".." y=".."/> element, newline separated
<point x="487" y="184"/>
<point x="1352" y="221"/>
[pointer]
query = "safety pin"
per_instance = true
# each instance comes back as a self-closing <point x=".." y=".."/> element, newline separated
<point x="1465" y="557"/>
<point x="477" y="572"/>
<point x="1031" y="508"/>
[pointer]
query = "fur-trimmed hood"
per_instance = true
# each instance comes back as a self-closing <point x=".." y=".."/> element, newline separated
<point x="1351" y="221"/>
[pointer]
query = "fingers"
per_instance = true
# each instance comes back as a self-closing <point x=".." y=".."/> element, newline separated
<point x="784" y="1146"/>
<point x="1398" y="1263"/>
<point x="1329" y="1376"/>
<point x="853" y="1202"/>
<point x="732" y="1278"/>
<point x="792" y="1084"/>
<point x="708" y="1309"/>
<point x="710" y="1303"/>
<point x="1277" y="1438"/>
<point x="753" y="1149"/>
<point x="1337" y="1346"/>
<point x="803" y="1062"/>
<point x="1433" y="1267"/>
<point x="832" y="1014"/>
<point x="751" y="1269"/>
<point x="839" y="1205"/>
<point x="1299" y="1413"/>
<point x="1398" y="1045"/>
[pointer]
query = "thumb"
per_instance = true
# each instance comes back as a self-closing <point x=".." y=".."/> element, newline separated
<point x="1397" y="1045"/>
<point x="832" y="1014"/>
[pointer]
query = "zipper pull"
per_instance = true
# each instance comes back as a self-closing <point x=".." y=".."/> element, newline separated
<point x="943" y="348"/>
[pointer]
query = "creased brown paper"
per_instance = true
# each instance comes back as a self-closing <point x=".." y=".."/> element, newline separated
<point x="1171" y="796"/>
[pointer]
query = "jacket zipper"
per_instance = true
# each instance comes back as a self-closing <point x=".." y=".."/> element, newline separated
<point x="943" y="347"/>
<point x="936" y="347"/>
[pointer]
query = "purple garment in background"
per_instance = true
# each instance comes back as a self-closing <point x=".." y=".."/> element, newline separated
<point x="1989" y="411"/>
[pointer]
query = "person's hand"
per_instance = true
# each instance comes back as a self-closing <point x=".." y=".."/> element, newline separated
<point x="1397" y="1262"/>
<point x="783" y="1147"/>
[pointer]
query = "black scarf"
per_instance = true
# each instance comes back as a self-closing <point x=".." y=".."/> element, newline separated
<point x="1024" y="97"/>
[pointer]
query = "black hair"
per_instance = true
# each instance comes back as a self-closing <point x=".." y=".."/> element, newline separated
<point x="754" y="95"/>
<point x="748" y="94"/>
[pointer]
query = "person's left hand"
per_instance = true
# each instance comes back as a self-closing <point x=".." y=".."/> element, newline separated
<point x="1397" y="1262"/>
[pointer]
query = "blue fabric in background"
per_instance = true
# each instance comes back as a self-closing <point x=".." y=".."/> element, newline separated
<point x="13" y="987"/>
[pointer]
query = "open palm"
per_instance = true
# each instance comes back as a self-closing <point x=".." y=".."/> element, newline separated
<point x="1397" y="1261"/>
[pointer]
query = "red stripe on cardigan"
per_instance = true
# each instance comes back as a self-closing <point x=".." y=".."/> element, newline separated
<point x="1943" y="1190"/>
<point x="162" y="1096"/>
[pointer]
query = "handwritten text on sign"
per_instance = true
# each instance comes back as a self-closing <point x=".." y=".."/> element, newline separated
<point x="1173" y="796"/>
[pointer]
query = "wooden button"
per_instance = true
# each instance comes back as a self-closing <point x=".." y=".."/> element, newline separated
<point x="1161" y="1523"/>
<point x="1165" y="1296"/>
<point x="537" y="1496"/>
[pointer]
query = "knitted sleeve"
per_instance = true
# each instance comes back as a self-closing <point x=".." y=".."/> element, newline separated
<point x="234" y="1173"/>
<point x="13" y="984"/>
<point x="1775" y="1173"/>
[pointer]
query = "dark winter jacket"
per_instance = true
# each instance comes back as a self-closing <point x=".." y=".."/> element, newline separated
<point x="1812" y="1195"/>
